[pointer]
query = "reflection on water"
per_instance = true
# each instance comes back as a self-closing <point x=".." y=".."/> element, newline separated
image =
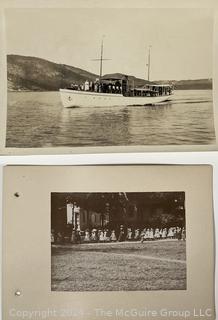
<point x="37" y="119"/>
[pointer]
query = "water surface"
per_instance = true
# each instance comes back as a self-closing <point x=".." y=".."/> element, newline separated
<point x="37" y="119"/>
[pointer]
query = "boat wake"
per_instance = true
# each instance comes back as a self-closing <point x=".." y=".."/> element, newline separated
<point x="184" y="101"/>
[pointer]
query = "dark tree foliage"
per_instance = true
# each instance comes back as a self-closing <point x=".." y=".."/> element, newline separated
<point x="121" y="205"/>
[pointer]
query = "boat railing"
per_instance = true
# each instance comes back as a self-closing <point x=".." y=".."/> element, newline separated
<point x="123" y="88"/>
<point x="99" y="87"/>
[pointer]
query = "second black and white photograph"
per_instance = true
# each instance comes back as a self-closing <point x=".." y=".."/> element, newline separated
<point x="121" y="241"/>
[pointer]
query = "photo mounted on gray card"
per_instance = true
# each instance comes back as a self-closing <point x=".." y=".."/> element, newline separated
<point x="121" y="241"/>
<point x="138" y="77"/>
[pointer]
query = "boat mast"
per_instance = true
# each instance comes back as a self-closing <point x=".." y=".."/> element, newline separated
<point x="149" y="62"/>
<point x="101" y="59"/>
<point x="102" y="46"/>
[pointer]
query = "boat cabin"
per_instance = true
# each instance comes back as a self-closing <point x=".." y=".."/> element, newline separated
<point x="124" y="87"/>
<point x="152" y="90"/>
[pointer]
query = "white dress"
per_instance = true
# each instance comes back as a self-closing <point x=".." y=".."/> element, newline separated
<point x="157" y="234"/>
<point x="170" y="233"/>
<point x="137" y="234"/>
<point x="87" y="85"/>
<point x="164" y="233"/>
<point x="129" y="234"/>
<point x="113" y="236"/>
<point x="151" y="235"/>
<point x="87" y="236"/>
<point x="147" y="234"/>
<point x="94" y="236"/>
<point x="101" y="237"/>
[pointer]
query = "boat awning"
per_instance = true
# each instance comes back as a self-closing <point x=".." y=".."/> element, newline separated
<point x="111" y="79"/>
<point x="160" y="85"/>
<point x="142" y="89"/>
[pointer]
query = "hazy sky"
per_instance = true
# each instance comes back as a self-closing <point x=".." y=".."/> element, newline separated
<point x="181" y="39"/>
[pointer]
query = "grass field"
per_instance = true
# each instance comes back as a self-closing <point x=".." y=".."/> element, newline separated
<point x="158" y="265"/>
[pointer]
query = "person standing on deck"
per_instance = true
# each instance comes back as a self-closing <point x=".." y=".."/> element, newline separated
<point x="90" y="86"/>
<point x="86" y="85"/>
<point x="96" y="85"/>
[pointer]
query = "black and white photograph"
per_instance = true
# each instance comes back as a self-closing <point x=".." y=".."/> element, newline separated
<point x="118" y="241"/>
<point x="109" y="77"/>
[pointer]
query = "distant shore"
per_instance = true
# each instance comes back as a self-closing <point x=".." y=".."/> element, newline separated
<point x="35" y="74"/>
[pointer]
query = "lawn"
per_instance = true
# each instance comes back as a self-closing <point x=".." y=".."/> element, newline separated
<point x="158" y="265"/>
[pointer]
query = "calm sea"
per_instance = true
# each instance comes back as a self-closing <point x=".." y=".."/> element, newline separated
<point x="37" y="119"/>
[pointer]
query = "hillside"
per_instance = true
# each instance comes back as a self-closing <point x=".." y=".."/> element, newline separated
<point x="197" y="84"/>
<point x="31" y="73"/>
<point x="200" y="84"/>
<point x="36" y="74"/>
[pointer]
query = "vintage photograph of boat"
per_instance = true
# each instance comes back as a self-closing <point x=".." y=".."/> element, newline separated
<point x="109" y="77"/>
<point x="118" y="241"/>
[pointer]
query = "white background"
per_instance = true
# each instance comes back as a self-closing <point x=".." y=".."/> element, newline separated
<point x="136" y="158"/>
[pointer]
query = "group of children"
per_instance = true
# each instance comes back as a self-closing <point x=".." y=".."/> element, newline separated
<point x="158" y="234"/>
<point x="106" y="235"/>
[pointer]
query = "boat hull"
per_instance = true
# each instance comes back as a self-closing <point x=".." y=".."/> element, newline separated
<point x="73" y="98"/>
